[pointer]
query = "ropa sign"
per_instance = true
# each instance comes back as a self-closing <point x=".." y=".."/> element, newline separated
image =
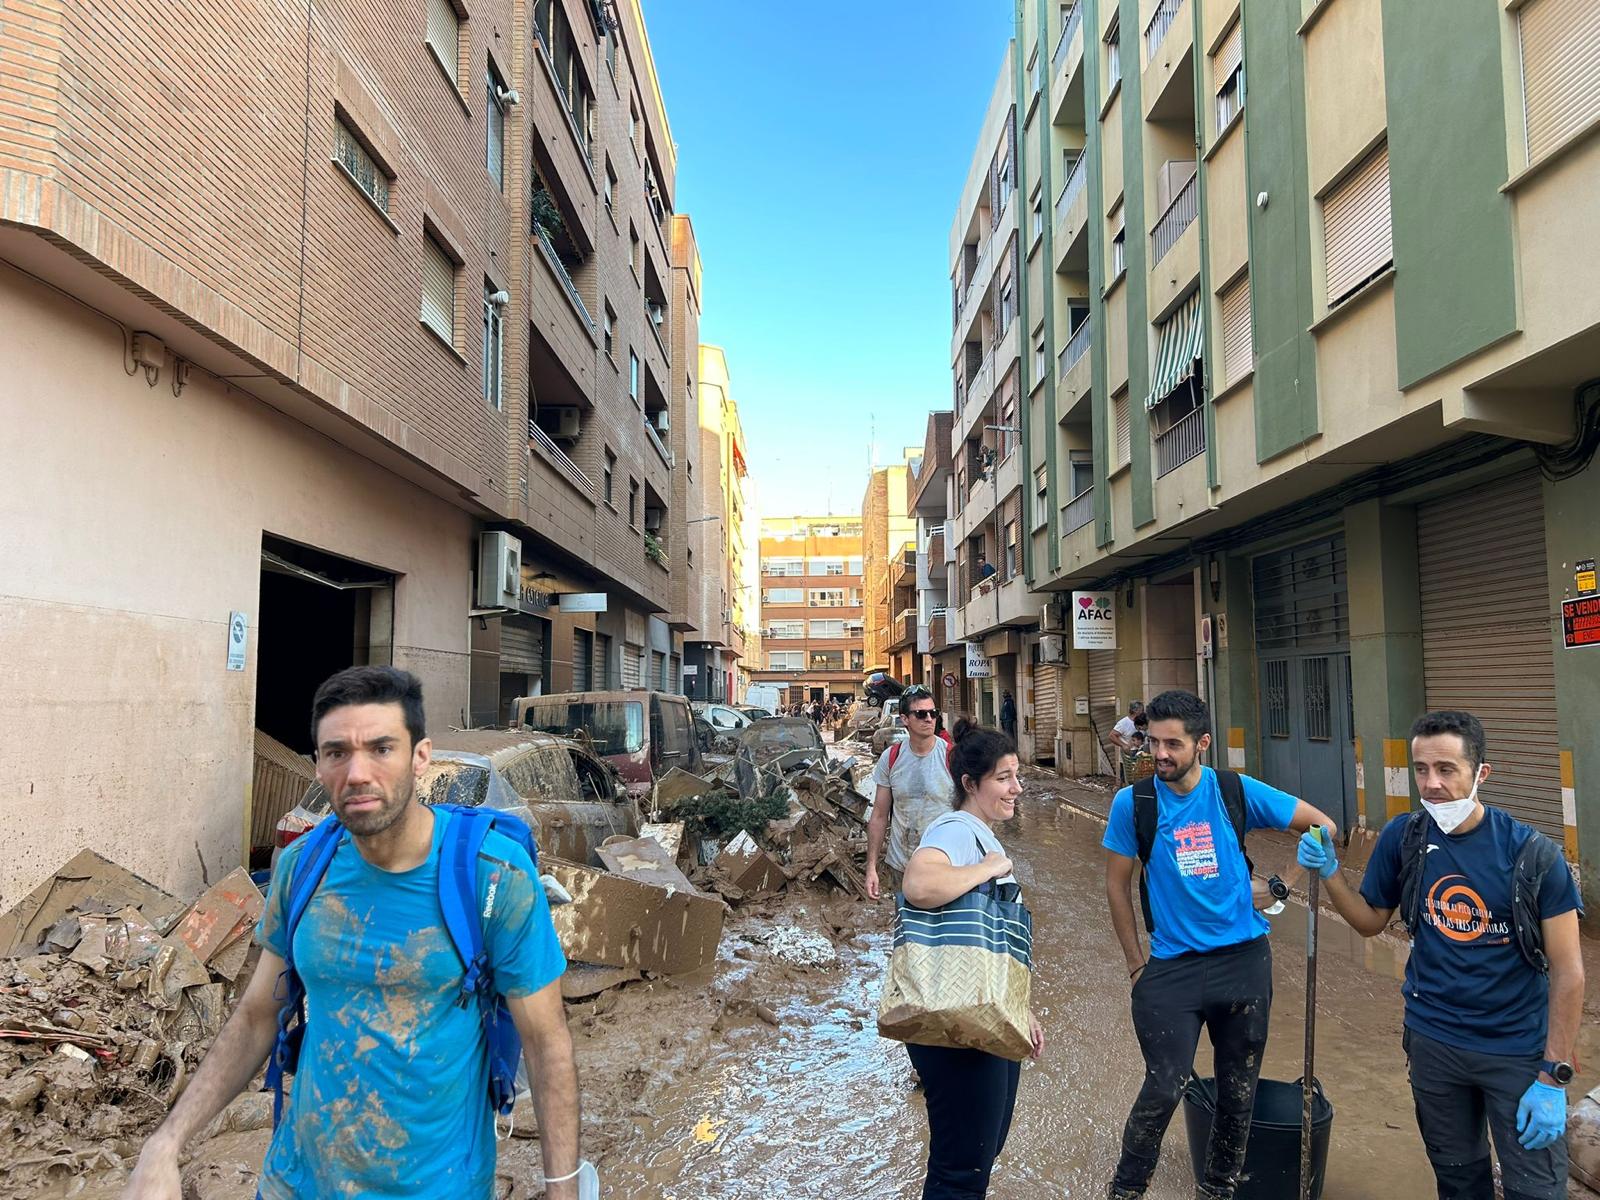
<point x="1094" y="620"/>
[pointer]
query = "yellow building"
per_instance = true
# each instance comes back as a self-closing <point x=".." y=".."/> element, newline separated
<point x="888" y="550"/>
<point x="717" y="540"/>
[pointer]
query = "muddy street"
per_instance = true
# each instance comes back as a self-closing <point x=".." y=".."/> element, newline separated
<point x="822" y="1106"/>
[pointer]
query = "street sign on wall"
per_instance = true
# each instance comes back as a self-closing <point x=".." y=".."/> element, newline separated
<point x="979" y="665"/>
<point x="1094" y="620"/>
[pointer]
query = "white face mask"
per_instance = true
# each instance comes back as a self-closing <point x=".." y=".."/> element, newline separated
<point x="1449" y="814"/>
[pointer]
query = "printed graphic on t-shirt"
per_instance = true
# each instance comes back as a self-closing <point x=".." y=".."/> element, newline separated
<point x="1454" y="908"/>
<point x="1197" y="850"/>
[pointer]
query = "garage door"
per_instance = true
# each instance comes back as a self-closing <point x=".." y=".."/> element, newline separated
<point x="1046" y="693"/>
<point x="1102" y="678"/>
<point x="522" y="646"/>
<point x="631" y="669"/>
<point x="1486" y="635"/>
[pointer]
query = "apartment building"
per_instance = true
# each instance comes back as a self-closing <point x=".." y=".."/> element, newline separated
<point x="1306" y="354"/>
<point x="393" y="303"/>
<point x="889" y="547"/>
<point x="937" y="657"/>
<point x="812" y="607"/>
<point x="715" y="651"/>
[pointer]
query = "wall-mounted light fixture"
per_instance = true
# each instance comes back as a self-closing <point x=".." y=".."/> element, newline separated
<point x="1216" y="580"/>
<point x="1128" y="595"/>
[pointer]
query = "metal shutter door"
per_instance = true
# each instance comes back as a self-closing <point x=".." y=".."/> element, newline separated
<point x="1102" y="678"/>
<point x="1238" y="349"/>
<point x="521" y="646"/>
<point x="1560" y="82"/>
<point x="438" y="290"/>
<point x="658" y="671"/>
<point x="1046" y="693"/>
<point x="582" y="660"/>
<point x="1355" y="215"/>
<point x="1486" y="635"/>
<point x="631" y="656"/>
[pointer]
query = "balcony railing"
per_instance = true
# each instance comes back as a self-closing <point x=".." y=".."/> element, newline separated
<point x="1182" y="442"/>
<point x="1160" y="24"/>
<point x="1075" y="348"/>
<point x="1179" y="216"/>
<point x="982" y="381"/>
<point x="661" y="447"/>
<point x="1071" y="189"/>
<point x="560" y="268"/>
<point x="1077" y="512"/>
<point x="1068" y="28"/>
<point x="558" y="458"/>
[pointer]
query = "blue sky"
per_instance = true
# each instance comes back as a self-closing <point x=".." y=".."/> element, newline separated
<point x="821" y="152"/>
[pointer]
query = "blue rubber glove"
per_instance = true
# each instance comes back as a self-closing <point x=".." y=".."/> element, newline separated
<point x="1315" y="853"/>
<point x="1541" y="1116"/>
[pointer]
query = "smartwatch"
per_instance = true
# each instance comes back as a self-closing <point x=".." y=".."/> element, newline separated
<point x="1278" y="888"/>
<point x="1561" y="1072"/>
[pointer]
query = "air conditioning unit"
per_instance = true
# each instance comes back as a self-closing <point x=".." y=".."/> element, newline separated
<point x="1053" y="648"/>
<point x="1053" y="617"/>
<point x="652" y="519"/>
<point x="657" y="313"/>
<point x="662" y="420"/>
<point x="499" y="569"/>
<point x="569" y="423"/>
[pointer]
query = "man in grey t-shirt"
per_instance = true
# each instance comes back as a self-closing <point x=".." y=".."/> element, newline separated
<point x="914" y="788"/>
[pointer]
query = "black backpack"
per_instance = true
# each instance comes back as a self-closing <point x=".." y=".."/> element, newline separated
<point x="1537" y="856"/>
<point x="1146" y="818"/>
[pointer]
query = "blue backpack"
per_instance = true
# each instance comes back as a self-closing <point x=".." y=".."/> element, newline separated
<point x="464" y="832"/>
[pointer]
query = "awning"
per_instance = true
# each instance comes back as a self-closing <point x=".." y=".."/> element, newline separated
<point x="1182" y="346"/>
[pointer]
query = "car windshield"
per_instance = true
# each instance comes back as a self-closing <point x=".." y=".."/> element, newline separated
<point x="615" y="726"/>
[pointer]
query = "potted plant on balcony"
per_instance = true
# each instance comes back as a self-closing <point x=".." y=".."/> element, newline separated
<point x="545" y="212"/>
<point x="654" y="549"/>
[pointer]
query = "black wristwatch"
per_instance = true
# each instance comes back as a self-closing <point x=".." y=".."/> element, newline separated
<point x="1561" y="1072"/>
<point x="1278" y="888"/>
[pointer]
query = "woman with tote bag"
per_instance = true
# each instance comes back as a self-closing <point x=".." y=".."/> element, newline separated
<point x="970" y="1091"/>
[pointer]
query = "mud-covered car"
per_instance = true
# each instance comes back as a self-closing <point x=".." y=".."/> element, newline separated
<point x="787" y="741"/>
<point x="642" y="734"/>
<point x="572" y="799"/>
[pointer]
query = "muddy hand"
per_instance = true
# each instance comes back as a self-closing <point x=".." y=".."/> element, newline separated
<point x="872" y="882"/>
<point x="998" y="864"/>
<point x="155" y="1177"/>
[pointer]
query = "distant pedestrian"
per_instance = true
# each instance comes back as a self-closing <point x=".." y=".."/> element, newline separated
<point x="1210" y="963"/>
<point x="1008" y="715"/>
<point x="392" y="1093"/>
<point x="1494" y="981"/>
<point x="971" y="1094"/>
<point x="1122" y="732"/>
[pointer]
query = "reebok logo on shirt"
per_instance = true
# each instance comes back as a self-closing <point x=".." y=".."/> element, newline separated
<point x="1196" y="850"/>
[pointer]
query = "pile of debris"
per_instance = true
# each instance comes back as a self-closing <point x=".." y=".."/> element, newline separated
<point x="111" y="992"/>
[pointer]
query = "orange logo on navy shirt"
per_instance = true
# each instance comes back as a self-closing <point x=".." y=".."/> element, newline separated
<point x="1458" y="912"/>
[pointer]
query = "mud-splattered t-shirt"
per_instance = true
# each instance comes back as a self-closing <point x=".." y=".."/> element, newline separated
<point x="391" y="1098"/>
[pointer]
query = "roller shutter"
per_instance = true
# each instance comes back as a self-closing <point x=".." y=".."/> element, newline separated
<point x="1102" y="678"/>
<point x="1486" y="636"/>
<point x="1046" y="701"/>
<point x="1238" y="351"/>
<point x="582" y="660"/>
<point x="522" y="646"/>
<point x="1359" y="240"/>
<point x="632" y="657"/>
<point x="1560" y="42"/>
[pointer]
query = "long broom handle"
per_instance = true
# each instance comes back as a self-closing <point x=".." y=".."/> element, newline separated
<point x="1307" y="1087"/>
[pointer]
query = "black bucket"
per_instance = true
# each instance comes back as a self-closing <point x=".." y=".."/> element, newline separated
<point x="1272" y="1157"/>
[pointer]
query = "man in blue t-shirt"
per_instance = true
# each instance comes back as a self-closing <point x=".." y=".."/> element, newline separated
<point x="1209" y="964"/>
<point x="1489" y="1036"/>
<point x="391" y="1097"/>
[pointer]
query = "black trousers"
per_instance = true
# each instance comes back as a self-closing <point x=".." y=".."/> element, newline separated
<point x="1462" y="1097"/>
<point x="970" y="1098"/>
<point x="1229" y="992"/>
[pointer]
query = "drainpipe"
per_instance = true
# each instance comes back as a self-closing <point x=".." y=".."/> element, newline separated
<point x="1213" y="480"/>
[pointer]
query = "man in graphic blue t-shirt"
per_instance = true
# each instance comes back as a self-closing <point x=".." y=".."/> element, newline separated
<point x="1209" y="962"/>
<point x="1494" y="983"/>
<point x="391" y="1097"/>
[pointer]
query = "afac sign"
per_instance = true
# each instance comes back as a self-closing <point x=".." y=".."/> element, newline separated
<point x="1094" y="620"/>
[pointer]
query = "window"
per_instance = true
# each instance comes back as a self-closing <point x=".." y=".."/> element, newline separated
<point x="633" y="248"/>
<point x="1041" y="359"/>
<point x="1011" y="549"/>
<point x="783" y="566"/>
<point x="827" y="660"/>
<point x="1007" y="182"/>
<point x="1227" y="76"/>
<point x="438" y="290"/>
<point x="825" y="566"/>
<point x="853" y="627"/>
<point x="1238" y="350"/>
<point x="827" y="598"/>
<point x="444" y="37"/>
<point x="633" y="126"/>
<point x="1559" y="97"/>
<point x="784" y="595"/>
<point x="1080" y="472"/>
<point x="609" y="317"/>
<point x="1036" y="219"/>
<point x="858" y="661"/>
<point x="566" y="63"/>
<point x="1358" y="239"/>
<point x="494" y="342"/>
<point x="362" y="168"/>
<point x="611" y="185"/>
<point x="611" y="51"/>
<point x="1008" y="308"/>
<point x="633" y="503"/>
<point x="786" y="630"/>
<point x="1041" y="498"/>
<point x="1009" y="438"/>
<point x="1118" y="244"/>
<point x="854" y="568"/>
<point x="786" y="660"/>
<point x="633" y="374"/>
<point x="1113" y="55"/>
<point x="610" y="477"/>
<point x="495" y="121"/>
<point x="1124" y="426"/>
<point x="690" y="551"/>
<point x="827" y="629"/>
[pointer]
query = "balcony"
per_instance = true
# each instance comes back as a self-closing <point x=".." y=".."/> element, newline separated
<point x="1077" y="512"/>
<point x="1069" y="27"/>
<point x="557" y="457"/>
<point x="1073" y="188"/>
<point x="655" y="440"/>
<point x="1185" y="440"/>
<point x="903" y="629"/>
<point x="1179" y="216"/>
<point x="1077" y="345"/>
<point x="937" y="563"/>
<point x="938" y="630"/>
<point x="559" y="268"/>
<point x="1160" y="25"/>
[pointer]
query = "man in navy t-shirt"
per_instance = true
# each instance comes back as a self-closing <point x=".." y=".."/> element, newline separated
<point x="1209" y="960"/>
<point x="1488" y="1035"/>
